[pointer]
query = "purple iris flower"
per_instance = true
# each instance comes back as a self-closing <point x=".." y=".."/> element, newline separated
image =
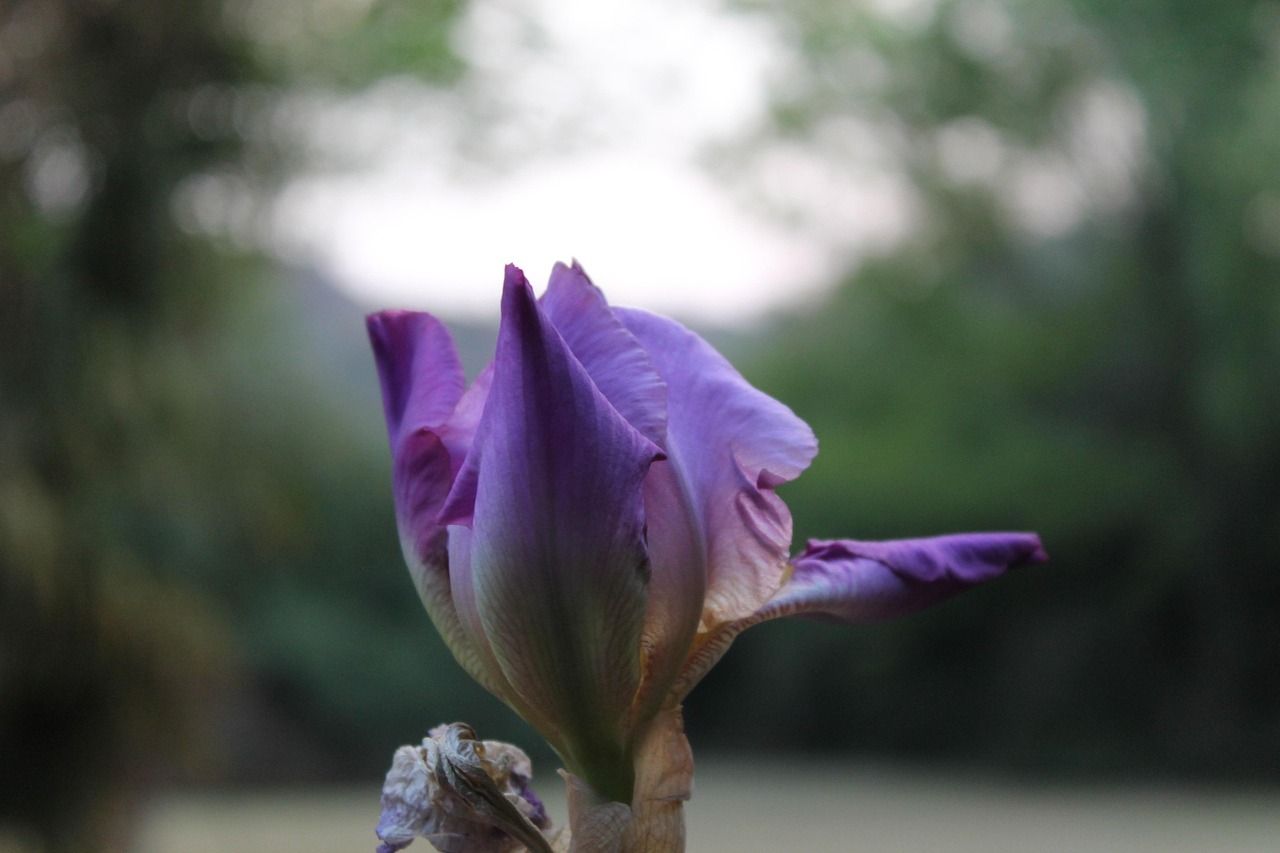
<point x="593" y="521"/>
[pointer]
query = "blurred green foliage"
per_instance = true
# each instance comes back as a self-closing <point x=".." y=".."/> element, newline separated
<point x="179" y="502"/>
<point x="1113" y="385"/>
<point x="345" y="45"/>
<point x="107" y="652"/>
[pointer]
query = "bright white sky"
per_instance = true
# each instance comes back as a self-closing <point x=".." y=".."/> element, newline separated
<point x="582" y="129"/>
<point x="646" y="86"/>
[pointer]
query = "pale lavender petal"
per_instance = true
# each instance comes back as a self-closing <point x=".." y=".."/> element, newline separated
<point x="730" y="445"/>
<point x="558" y="557"/>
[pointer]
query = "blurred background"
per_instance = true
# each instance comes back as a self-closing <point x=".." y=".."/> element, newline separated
<point x="1018" y="263"/>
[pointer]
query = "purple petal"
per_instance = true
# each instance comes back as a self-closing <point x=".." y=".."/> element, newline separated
<point x="677" y="585"/>
<point x="862" y="583"/>
<point x="460" y="504"/>
<point x="613" y="358"/>
<point x="626" y="375"/>
<point x="558" y="559"/>
<point x="429" y="421"/>
<point x="418" y="367"/>
<point x="730" y="446"/>
<point x="422" y="383"/>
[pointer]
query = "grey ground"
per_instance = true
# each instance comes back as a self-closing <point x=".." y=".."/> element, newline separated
<point x="791" y="807"/>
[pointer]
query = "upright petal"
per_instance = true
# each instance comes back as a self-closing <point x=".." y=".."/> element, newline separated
<point x="460" y="503"/>
<point x="863" y="583"/>
<point x="677" y="585"/>
<point x="558" y="557"/>
<point x="612" y="356"/>
<point x="731" y="445"/>
<point x="422" y="382"/>
<point x="625" y="373"/>
<point x="418" y="368"/>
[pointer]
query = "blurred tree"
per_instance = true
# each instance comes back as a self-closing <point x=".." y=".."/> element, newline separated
<point x="1079" y="334"/>
<point x="105" y="658"/>
<point x="137" y="494"/>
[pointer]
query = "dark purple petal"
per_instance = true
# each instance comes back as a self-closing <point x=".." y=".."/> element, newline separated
<point x="730" y="446"/>
<point x="558" y="559"/>
<point x="862" y="583"/>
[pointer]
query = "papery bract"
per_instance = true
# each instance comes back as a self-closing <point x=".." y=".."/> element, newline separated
<point x="594" y="520"/>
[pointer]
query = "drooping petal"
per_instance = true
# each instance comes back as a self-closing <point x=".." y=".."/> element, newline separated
<point x="863" y="583"/>
<point x="558" y="558"/>
<point x="422" y="395"/>
<point x="731" y="445"/>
